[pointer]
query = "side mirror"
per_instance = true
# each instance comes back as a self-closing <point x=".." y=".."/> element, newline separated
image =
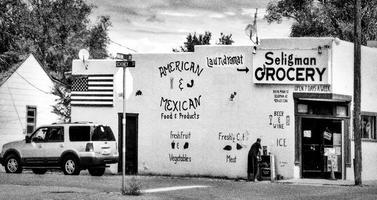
<point x="27" y="139"/>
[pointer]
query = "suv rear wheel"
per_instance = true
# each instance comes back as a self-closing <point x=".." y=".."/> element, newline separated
<point x="12" y="164"/>
<point x="70" y="165"/>
<point x="96" y="171"/>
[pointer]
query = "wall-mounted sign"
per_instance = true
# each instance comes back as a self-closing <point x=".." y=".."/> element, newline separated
<point x="302" y="66"/>
<point x="314" y="88"/>
<point x="125" y="63"/>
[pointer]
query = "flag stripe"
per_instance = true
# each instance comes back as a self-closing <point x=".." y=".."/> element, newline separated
<point x="92" y="105"/>
<point x="100" y="75"/>
<point x="100" y="92"/>
<point x="92" y="102"/>
<point x="92" y="95"/>
<point x="99" y="85"/>
<point x="100" y="82"/>
<point x="91" y="98"/>
<point x="100" y="78"/>
<point x="91" y="88"/>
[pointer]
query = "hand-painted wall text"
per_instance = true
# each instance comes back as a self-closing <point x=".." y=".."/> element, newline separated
<point x="180" y="66"/>
<point x="224" y="61"/>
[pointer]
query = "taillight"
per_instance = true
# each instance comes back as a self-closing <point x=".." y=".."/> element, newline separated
<point x="89" y="147"/>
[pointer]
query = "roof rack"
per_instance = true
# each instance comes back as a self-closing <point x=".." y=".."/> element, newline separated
<point x="81" y="122"/>
<point x="78" y="122"/>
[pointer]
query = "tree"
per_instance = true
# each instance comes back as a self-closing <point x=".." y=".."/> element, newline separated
<point x="203" y="39"/>
<point x="54" y="31"/>
<point x="225" y="39"/>
<point x="325" y="18"/>
<point x="12" y="13"/>
<point x="98" y="38"/>
<point x="192" y="40"/>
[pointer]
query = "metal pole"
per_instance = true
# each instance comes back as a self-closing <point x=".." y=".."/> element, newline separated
<point x="124" y="131"/>
<point x="356" y="94"/>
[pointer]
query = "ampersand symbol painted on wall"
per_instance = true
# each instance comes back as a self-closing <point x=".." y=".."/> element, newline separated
<point x="180" y="84"/>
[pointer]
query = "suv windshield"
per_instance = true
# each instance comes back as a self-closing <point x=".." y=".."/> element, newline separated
<point x="102" y="133"/>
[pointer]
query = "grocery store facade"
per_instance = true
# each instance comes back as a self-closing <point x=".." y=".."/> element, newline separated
<point x="199" y="113"/>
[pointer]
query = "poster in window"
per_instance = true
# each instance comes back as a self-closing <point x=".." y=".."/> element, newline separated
<point x="337" y="139"/>
<point x="327" y="135"/>
<point x="307" y="133"/>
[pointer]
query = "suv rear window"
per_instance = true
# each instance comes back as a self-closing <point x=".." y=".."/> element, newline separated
<point x="79" y="133"/>
<point x="103" y="133"/>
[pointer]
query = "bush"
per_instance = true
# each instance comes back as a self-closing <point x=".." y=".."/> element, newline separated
<point x="132" y="188"/>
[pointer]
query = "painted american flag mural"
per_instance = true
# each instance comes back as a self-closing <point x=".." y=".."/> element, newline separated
<point x="92" y="90"/>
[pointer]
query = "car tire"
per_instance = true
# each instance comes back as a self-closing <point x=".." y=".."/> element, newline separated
<point x="13" y="164"/>
<point x="70" y="165"/>
<point x="39" y="171"/>
<point x="96" y="171"/>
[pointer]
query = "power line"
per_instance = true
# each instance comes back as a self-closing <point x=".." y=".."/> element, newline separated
<point x="123" y="46"/>
<point x="32" y="84"/>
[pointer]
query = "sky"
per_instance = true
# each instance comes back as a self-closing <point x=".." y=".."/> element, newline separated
<point x="158" y="26"/>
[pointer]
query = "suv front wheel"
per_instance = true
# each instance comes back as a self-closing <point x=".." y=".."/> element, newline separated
<point x="12" y="164"/>
<point x="70" y="165"/>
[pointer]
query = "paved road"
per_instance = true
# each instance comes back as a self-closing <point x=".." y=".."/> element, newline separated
<point x="54" y="185"/>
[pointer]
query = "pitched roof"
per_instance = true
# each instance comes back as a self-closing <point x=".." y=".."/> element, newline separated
<point x="5" y="75"/>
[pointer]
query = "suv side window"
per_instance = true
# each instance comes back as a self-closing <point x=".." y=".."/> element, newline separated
<point x="79" y="133"/>
<point x="55" y="134"/>
<point x="39" y="135"/>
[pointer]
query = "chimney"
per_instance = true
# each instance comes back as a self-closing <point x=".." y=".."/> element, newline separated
<point x="372" y="43"/>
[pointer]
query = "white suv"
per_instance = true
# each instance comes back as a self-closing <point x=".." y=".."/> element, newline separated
<point x="71" y="147"/>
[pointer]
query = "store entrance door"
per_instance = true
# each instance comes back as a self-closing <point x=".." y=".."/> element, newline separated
<point x="131" y="142"/>
<point x="321" y="148"/>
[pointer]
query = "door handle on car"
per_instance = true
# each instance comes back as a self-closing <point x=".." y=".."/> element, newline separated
<point x="61" y="145"/>
<point x="39" y="146"/>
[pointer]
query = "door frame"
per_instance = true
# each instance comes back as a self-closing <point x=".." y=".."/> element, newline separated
<point x="342" y="121"/>
<point x="336" y="100"/>
<point x="346" y="149"/>
<point x="136" y="116"/>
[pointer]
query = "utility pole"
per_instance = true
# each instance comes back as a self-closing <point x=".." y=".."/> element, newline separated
<point x="356" y="94"/>
<point x="124" y="63"/>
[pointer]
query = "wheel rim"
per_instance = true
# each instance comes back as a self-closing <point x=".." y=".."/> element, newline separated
<point x="70" y="166"/>
<point x="12" y="165"/>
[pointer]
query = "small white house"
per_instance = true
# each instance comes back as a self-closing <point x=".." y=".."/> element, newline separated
<point x="26" y="100"/>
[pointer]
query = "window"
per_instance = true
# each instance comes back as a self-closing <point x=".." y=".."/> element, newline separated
<point x="39" y="135"/>
<point x="79" y="133"/>
<point x="302" y="108"/>
<point x="55" y="134"/>
<point x="31" y="119"/>
<point x="368" y="127"/>
<point x="103" y="133"/>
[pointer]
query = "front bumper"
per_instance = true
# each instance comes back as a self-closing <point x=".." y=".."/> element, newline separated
<point x="1" y="159"/>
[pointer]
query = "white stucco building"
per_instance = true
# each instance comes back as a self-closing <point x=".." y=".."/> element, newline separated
<point x="198" y="113"/>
